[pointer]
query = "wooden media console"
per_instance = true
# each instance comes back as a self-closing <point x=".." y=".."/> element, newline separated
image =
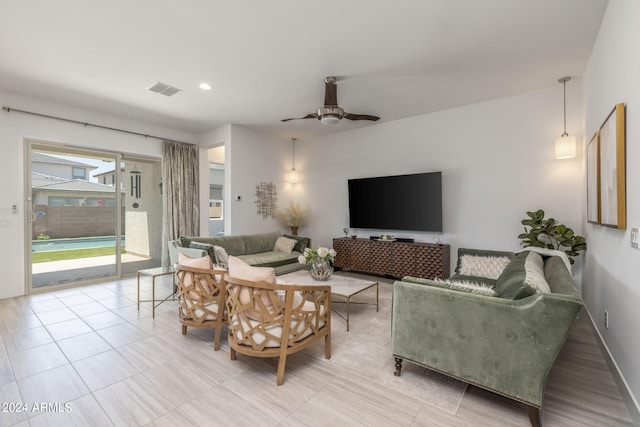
<point x="392" y="258"/>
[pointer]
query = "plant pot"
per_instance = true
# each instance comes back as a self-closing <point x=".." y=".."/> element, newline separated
<point x="294" y="230"/>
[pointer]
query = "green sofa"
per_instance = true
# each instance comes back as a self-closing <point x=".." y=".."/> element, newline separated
<point x="254" y="249"/>
<point x="499" y="333"/>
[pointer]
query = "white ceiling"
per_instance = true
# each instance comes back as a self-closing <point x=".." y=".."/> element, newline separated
<point x="266" y="60"/>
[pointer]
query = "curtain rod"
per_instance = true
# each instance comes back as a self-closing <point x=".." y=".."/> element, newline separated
<point x="85" y="124"/>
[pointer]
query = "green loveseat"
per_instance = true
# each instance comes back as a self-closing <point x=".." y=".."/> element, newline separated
<point x="254" y="249"/>
<point x="503" y="336"/>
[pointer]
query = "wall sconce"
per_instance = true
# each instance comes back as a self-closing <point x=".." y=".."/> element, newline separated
<point x="293" y="174"/>
<point x="565" y="145"/>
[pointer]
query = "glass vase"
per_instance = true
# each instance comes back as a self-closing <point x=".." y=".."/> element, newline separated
<point x="320" y="270"/>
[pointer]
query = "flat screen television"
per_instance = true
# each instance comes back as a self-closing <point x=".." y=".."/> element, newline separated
<point x="402" y="202"/>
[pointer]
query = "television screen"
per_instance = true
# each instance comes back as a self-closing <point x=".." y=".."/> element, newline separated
<point x="402" y="202"/>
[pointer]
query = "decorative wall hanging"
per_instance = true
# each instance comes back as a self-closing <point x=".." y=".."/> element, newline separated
<point x="593" y="179"/>
<point x="612" y="176"/>
<point x="267" y="197"/>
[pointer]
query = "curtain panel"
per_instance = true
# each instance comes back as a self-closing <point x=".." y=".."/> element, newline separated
<point x="180" y="200"/>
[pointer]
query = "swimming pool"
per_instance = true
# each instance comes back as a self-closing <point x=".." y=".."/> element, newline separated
<point x="77" y="243"/>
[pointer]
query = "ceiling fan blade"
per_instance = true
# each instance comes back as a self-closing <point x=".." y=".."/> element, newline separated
<point x="330" y="92"/>
<point x="361" y="117"/>
<point x="308" y="116"/>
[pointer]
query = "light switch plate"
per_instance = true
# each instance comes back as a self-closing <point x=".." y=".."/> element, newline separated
<point x="634" y="238"/>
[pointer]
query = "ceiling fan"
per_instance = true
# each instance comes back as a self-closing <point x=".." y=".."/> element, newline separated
<point x="331" y="113"/>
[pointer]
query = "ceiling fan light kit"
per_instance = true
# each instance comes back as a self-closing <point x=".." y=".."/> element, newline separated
<point x="330" y="113"/>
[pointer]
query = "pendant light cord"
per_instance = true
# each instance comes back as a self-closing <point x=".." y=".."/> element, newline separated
<point x="564" y="84"/>
<point x="564" y="81"/>
<point x="294" y="153"/>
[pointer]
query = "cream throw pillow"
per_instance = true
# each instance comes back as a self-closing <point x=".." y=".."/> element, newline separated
<point x="489" y="267"/>
<point x="284" y="244"/>
<point x="534" y="273"/>
<point x="467" y="286"/>
<point x="243" y="271"/>
<point x="204" y="263"/>
<point x="187" y="261"/>
<point x="221" y="254"/>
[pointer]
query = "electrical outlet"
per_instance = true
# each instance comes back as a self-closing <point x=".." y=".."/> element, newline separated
<point x="634" y="237"/>
<point x="606" y="319"/>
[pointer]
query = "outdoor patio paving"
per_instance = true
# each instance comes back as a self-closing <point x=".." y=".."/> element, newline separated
<point x="60" y="272"/>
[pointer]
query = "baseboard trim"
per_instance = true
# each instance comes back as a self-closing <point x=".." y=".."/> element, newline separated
<point x="628" y="397"/>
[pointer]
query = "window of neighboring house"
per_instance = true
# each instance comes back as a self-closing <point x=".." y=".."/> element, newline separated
<point x="79" y="173"/>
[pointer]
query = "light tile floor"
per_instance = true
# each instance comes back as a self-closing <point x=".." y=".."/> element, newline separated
<point x="93" y="359"/>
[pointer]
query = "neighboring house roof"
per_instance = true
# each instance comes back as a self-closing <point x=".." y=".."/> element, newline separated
<point x="43" y="158"/>
<point x="42" y="182"/>
<point x="109" y="172"/>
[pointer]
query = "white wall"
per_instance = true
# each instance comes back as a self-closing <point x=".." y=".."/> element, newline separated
<point x="254" y="158"/>
<point x="497" y="162"/>
<point x="612" y="267"/>
<point x="15" y="127"/>
<point x="250" y="158"/>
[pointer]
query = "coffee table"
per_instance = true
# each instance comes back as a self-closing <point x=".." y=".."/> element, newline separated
<point x="341" y="286"/>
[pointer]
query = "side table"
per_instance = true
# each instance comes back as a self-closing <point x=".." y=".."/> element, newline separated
<point x="156" y="272"/>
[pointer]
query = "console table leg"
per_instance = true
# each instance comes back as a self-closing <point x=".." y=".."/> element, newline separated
<point x="348" y="310"/>
<point x="534" y="416"/>
<point x="398" y="366"/>
<point x="138" y="291"/>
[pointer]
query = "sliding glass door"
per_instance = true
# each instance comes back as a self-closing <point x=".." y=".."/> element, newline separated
<point x="91" y="215"/>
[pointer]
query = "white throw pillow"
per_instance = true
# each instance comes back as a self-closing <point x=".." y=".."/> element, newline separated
<point x="284" y="244"/>
<point x="467" y="286"/>
<point x="221" y="254"/>
<point x="534" y="273"/>
<point x="489" y="267"/>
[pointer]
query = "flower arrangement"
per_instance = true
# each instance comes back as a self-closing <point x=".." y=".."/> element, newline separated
<point x="320" y="260"/>
<point x="321" y="254"/>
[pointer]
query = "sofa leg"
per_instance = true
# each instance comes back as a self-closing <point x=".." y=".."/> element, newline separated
<point x="534" y="415"/>
<point x="398" y="367"/>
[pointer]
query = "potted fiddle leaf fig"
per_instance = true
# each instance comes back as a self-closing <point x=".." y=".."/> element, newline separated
<point x="547" y="233"/>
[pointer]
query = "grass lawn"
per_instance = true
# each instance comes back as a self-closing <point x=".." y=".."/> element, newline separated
<point x="37" y="257"/>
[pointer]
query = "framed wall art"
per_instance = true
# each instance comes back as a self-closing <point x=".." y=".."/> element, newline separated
<point x="612" y="179"/>
<point x="593" y="179"/>
<point x="266" y="198"/>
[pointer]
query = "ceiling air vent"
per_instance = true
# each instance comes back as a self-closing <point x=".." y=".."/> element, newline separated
<point x="163" y="89"/>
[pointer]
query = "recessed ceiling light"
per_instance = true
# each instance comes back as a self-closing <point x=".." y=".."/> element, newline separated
<point x="205" y="86"/>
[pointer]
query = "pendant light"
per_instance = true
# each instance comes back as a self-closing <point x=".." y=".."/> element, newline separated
<point x="293" y="174"/>
<point x="565" y="145"/>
